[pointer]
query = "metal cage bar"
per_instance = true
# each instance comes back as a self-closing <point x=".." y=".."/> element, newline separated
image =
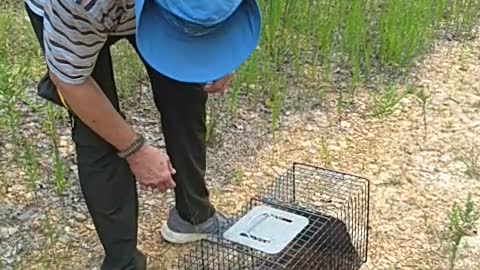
<point x="336" y="238"/>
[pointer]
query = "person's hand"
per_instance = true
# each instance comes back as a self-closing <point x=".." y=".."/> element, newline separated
<point x="152" y="168"/>
<point x="220" y="86"/>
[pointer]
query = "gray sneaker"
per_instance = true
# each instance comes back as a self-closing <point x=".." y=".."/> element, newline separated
<point x="177" y="230"/>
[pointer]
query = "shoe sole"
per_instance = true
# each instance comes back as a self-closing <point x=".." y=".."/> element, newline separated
<point x="180" y="238"/>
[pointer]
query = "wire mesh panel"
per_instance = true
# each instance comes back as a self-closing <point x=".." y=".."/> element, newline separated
<point x="335" y="238"/>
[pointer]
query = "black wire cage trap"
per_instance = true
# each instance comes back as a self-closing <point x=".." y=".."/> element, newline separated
<point x="310" y="218"/>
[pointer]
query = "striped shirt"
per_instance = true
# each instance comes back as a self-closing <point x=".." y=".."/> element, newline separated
<point x="76" y="30"/>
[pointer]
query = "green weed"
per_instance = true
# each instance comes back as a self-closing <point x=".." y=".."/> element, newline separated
<point x="58" y="164"/>
<point x="464" y="16"/>
<point x="48" y="258"/>
<point x="31" y="165"/>
<point x="279" y="88"/>
<point x="461" y="222"/>
<point x="384" y="104"/>
<point x="393" y="181"/>
<point x="355" y="36"/>
<point x="471" y="160"/>
<point x="3" y="183"/>
<point x="238" y="176"/>
<point x="326" y="153"/>
<point x="233" y="96"/>
<point x="19" y="63"/>
<point x="403" y="30"/>
<point x="423" y="97"/>
<point x="213" y="116"/>
<point x="129" y="70"/>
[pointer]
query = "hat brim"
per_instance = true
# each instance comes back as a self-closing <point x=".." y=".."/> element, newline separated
<point x="197" y="59"/>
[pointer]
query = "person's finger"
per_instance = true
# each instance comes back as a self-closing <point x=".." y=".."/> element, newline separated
<point x="170" y="184"/>
<point x="172" y="169"/>
<point x="170" y="165"/>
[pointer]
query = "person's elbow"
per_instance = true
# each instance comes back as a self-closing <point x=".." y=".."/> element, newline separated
<point x="68" y="90"/>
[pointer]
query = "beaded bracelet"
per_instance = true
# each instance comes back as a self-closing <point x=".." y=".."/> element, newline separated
<point x="134" y="147"/>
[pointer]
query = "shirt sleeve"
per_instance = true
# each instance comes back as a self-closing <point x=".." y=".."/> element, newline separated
<point x="72" y="41"/>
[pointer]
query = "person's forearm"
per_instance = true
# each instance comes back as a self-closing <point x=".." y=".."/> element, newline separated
<point x="94" y="109"/>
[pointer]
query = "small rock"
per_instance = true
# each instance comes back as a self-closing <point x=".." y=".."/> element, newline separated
<point x="239" y="127"/>
<point x="16" y="188"/>
<point x="446" y="158"/>
<point x="444" y="177"/>
<point x="247" y="174"/>
<point x="373" y="167"/>
<point x="26" y="215"/>
<point x="170" y="200"/>
<point x="345" y="124"/>
<point x="11" y="254"/>
<point x="64" y="239"/>
<point x="6" y="232"/>
<point x="334" y="148"/>
<point x="90" y="226"/>
<point x="29" y="195"/>
<point x="79" y="216"/>
<point x="458" y="166"/>
<point x="309" y="127"/>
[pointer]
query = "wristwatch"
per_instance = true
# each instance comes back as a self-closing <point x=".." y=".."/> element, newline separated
<point x="133" y="148"/>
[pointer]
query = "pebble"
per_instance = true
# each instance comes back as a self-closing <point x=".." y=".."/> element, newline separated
<point x="345" y="124"/>
<point x="11" y="253"/>
<point x="6" y="232"/>
<point x="446" y="158"/>
<point x="444" y="177"/>
<point x="90" y="226"/>
<point x="27" y="215"/>
<point x="64" y="238"/>
<point x="15" y="189"/>
<point x="80" y="217"/>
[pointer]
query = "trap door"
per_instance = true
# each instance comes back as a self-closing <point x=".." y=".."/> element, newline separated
<point x="266" y="229"/>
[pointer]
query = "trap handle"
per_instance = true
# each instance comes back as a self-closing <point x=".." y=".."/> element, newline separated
<point x="265" y="215"/>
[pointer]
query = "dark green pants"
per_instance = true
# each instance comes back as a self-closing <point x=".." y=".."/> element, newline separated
<point x="107" y="182"/>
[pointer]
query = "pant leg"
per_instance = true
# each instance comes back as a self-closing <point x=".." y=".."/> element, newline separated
<point x="183" y="111"/>
<point x="107" y="183"/>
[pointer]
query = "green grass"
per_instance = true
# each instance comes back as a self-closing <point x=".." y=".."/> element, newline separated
<point x="30" y="164"/>
<point x="325" y="152"/>
<point x="386" y="101"/>
<point x="59" y="166"/>
<point x="462" y="221"/>
<point x="212" y="119"/>
<point x="363" y="36"/>
<point x="424" y="98"/>
<point x="130" y="73"/>
<point x="3" y="183"/>
<point x="358" y="34"/>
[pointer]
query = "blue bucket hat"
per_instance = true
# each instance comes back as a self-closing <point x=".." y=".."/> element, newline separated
<point x="197" y="41"/>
